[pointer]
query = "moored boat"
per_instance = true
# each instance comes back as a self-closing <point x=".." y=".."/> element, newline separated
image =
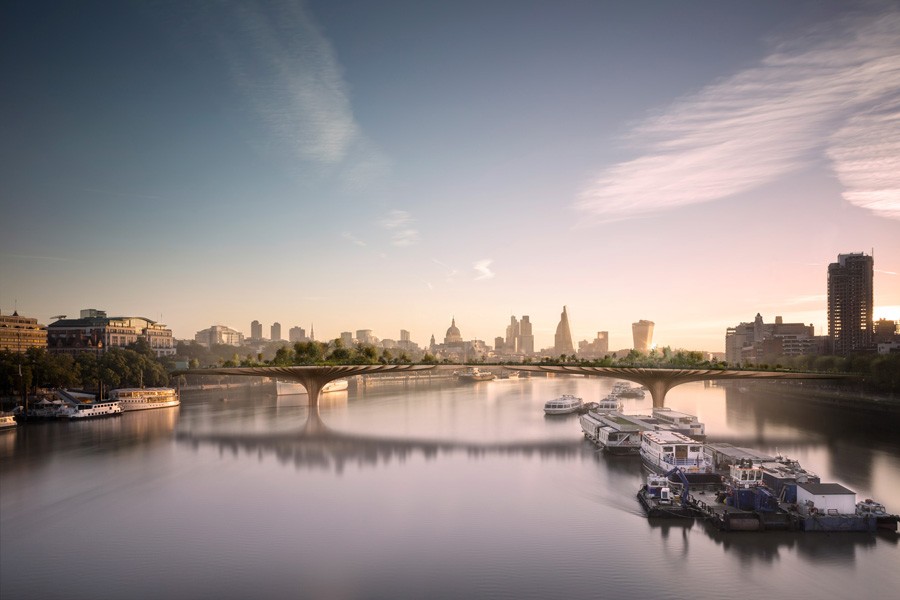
<point x="626" y="390"/>
<point x="91" y="410"/>
<point x="681" y="422"/>
<point x="563" y="405"/>
<point x="663" y="451"/>
<point x="474" y="374"/>
<point x="7" y="422"/>
<point x="144" y="398"/>
<point x="883" y="520"/>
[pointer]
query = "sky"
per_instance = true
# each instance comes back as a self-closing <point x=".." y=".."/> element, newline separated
<point x="391" y="165"/>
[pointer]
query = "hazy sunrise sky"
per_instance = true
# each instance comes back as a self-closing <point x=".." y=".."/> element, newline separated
<point x="389" y="165"/>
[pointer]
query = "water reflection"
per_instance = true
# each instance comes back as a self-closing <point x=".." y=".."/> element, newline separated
<point x="316" y="445"/>
<point x="816" y="548"/>
<point x="40" y="441"/>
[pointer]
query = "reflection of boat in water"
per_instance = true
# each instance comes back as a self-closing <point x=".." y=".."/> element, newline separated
<point x="145" y="398"/>
<point x="474" y="374"/>
<point x="565" y="404"/>
<point x="290" y="388"/>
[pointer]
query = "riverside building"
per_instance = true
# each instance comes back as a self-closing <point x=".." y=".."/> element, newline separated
<point x="751" y="342"/>
<point x="850" y="299"/>
<point x="94" y="331"/>
<point x="18" y="334"/>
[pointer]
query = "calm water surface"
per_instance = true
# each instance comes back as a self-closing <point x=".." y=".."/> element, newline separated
<point x="411" y="492"/>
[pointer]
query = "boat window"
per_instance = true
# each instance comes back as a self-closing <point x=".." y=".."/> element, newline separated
<point x="695" y="448"/>
<point x="667" y="448"/>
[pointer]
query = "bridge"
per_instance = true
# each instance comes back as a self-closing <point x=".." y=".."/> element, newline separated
<point x="658" y="381"/>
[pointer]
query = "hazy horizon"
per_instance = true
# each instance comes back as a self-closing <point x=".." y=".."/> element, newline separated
<point x="388" y="166"/>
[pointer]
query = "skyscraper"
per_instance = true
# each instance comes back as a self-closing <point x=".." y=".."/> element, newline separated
<point x="512" y="336"/>
<point x="850" y="292"/>
<point x="563" y="339"/>
<point x="276" y="332"/>
<point x="643" y="335"/>
<point x="255" y="330"/>
<point x="526" y="338"/>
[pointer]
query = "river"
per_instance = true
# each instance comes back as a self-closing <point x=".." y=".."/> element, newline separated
<point x="426" y="491"/>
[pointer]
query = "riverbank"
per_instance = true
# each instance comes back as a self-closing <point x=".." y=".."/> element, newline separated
<point x="834" y="395"/>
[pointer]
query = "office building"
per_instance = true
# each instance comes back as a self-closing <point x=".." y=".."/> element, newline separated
<point x="595" y="349"/>
<point x="642" y="331"/>
<point x="759" y="341"/>
<point x="94" y="331"/>
<point x="562" y="341"/>
<point x="18" y="334"/>
<point x="850" y="300"/>
<point x="526" y="337"/>
<point x="255" y="330"/>
<point x="297" y="334"/>
<point x="219" y="334"/>
<point x="276" y="332"/>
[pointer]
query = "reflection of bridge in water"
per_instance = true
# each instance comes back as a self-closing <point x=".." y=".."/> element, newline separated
<point x="657" y="381"/>
<point x="318" y="446"/>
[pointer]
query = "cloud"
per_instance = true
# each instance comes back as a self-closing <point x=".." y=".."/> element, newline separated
<point x="834" y="91"/>
<point x="885" y="272"/>
<point x="449" y="272"/>
<point x="352" y="238"/>
<point x="289" y="73"/>
<point x="483" y="268"/>
<point x="399" y="223"/>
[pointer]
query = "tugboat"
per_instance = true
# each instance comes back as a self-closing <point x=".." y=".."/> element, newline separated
<point x="883" y="520"/>
<point x="661" y="500"/>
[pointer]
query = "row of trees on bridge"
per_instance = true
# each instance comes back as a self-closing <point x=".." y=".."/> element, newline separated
<point x="137" y="365"/>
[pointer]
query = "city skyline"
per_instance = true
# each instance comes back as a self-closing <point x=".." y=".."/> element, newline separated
<point x="395" y="166"/>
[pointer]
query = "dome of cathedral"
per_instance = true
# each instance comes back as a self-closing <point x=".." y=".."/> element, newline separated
<point x="453" y="334"/>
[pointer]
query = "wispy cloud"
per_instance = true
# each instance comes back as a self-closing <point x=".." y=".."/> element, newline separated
<point x="885" y="272"/>
<point x="834" y="91"/>
<point x="352" y="238"/>
<point x="483" y="269"/>
<point x="285" y="66"/>
<point x="449" y="272"/>
<point x="400" y="224"/>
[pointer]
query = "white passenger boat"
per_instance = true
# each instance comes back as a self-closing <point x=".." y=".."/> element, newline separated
<point x="662" y="451"/>
<point x="609" y="404"/>
<point x="90" y="410"/>
<point x="7" y="422"/>
<point x="291" y="388"/>
<point x="565" y="404"/>
<point x="145" y="398"/>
